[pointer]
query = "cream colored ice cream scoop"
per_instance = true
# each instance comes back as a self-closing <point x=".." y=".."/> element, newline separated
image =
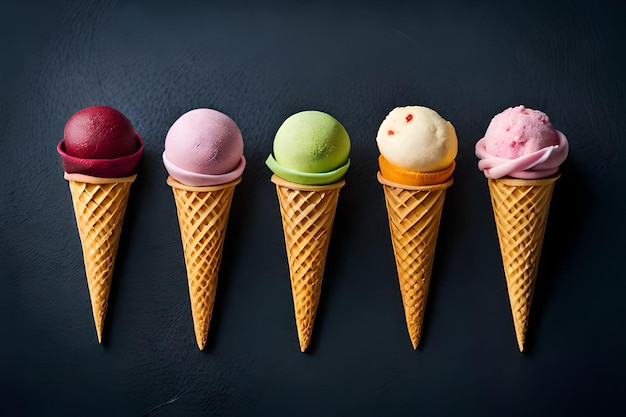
<point x="417" y="138"/>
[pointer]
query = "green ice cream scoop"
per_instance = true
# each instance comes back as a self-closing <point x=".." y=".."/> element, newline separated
<point x="311" y="148"/>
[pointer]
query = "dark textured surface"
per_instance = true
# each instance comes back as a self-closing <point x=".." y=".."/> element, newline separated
<point x="154" y="60"/>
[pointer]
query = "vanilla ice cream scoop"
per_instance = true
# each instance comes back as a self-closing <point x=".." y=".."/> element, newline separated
<point x="418" y="139"/>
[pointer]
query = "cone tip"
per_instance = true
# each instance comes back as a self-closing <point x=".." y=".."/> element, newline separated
<point x="99" y="333"/>
<point x="521" y="339"/>
<point x="304" y="345"/>
<point x="415" y="340"/>
<point x="201" y="343"/>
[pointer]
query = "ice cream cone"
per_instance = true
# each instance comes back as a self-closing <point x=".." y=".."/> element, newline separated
<point x="307" y="212"/>
<point x="202" y="216"/>
<point x="99" y="207"/>
<point x="414" y="214"/>
<point x="521" y="209"/>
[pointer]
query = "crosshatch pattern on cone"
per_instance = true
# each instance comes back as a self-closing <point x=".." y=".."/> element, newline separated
<point x="307" y="213"/>
<point x="202" y="217"/>
<point x="99" y="211"/>
<point x="414" y="217"/>
<point x="521" y="210"/>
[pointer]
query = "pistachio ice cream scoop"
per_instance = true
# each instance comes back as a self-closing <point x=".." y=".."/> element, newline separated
<point x="310" y="147"/>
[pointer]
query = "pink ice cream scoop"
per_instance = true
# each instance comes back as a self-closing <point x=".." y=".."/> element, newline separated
<point x="101" y="142"/>
<point x="204" y="147"/>
<point x="521" y="143"/>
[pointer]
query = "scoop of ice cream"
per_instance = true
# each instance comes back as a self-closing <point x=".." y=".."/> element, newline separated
<point x="100" y="141"/>
<point x="417" y="138"/>
<point x="204" y="147"/>
<point x="521" y="143"/>
<point x="311" y="148"/>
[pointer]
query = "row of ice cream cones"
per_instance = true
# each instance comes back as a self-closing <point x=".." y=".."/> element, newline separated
<point x="204" y="158"/>
<point x="520" y="208"/>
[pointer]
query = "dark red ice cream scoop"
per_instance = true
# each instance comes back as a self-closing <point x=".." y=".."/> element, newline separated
<point x="101" y="142"/>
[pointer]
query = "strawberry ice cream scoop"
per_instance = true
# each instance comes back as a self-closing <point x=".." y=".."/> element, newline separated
<point x="100" y="141"/>
<point x="204" y="147"/>
<point x="521" y="143"/>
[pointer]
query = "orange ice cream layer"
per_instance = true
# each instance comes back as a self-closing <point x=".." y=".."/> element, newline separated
<point x="403" y="176"/>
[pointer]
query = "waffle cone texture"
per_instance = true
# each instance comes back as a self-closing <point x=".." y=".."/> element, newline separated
<point x="99" y="207"/>
<point x="202" y="217"/>
<point x="414" y="214"/>
<point x="520" y="209"/>
<point x="307" y="214"/>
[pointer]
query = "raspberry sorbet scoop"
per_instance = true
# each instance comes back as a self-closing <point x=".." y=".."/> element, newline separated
<point x="100" y="141"/>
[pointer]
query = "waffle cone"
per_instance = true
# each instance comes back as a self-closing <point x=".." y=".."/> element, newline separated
<point x="521" y="209"/>
<point x="414" y="214"/>
<point x="307" y="213"/>
<point x="202" y="216"/>
<point x="99" y="207"/>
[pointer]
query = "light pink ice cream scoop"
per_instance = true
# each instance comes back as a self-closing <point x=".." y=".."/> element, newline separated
<point x="521" y="143"/>
<point x="204" y="147"/>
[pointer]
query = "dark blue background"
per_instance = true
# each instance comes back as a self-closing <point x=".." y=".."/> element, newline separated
<point x="259" y="64"/>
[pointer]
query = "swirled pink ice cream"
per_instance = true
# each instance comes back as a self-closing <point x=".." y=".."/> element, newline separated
<point x="521" y="143"/>
<point x="204" y="147"/>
